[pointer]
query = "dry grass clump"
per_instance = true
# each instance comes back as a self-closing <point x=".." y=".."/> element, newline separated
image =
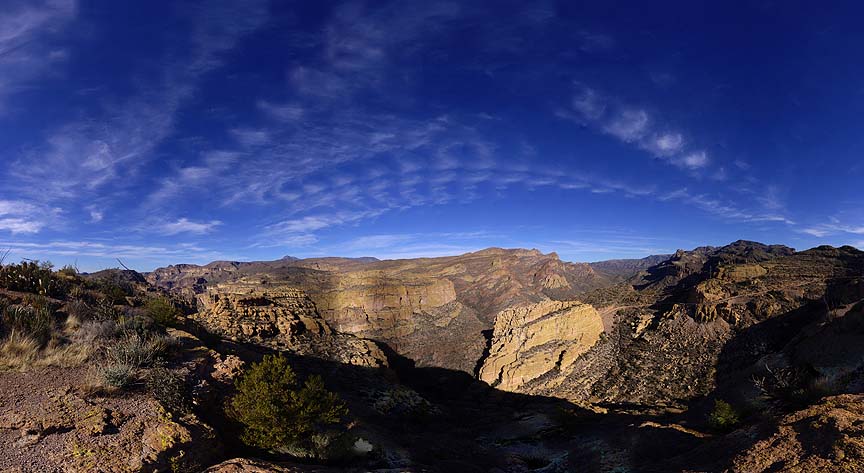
<point x="19" y="352"/>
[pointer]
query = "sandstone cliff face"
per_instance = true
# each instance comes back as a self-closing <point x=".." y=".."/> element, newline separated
<point x="286" y="319"/>
<point x="542" y="339"/>
<point x="373" y="302"/>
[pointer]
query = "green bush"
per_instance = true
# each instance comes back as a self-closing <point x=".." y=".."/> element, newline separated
<point x="278" y="413"/>
<point x="114" y="290"/>
<point x="169" y="389"/>
<point x="33" y="277"/>
<point x="104" y="310"/>
<point x="79" y="292"/>
<point x="723" y="417"/>
<point x="132" y="322"/>
<point x="37" y="323"/>
<point x="162" y="311"/>
<point x="69" y="271"/>
<point x="117" y="375"/>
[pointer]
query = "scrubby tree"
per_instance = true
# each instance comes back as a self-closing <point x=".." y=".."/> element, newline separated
<point x="723" y="417"/>
<point x="277" y="412"/>
<point x="162" y="310"/>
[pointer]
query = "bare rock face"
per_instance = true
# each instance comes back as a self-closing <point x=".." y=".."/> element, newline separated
<point x="47" y="424"/>
<point x="285" y="319"/>
<point x="828" y="436"/>
<point x="712" y="318"/>
<point x="372" y="301"/>
<point x="247" y="312"/>
<point x="542" y="339"/>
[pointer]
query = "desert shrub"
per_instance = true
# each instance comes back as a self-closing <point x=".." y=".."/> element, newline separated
<point x="38" y="301"/>
<point x="33" y="277"/>
<point x="136" y="323"/>
<point x="28" y="320"/>
<point x="403" y="403"/>
<point x="332" y="446"/>
<point x="104" y="309"/>
<point x="794" y="385"/>
<point x="169" y="389"/>
<point x="137" y="350"/>
<point x="723" y="417"/>
<point x="114" y="290"/>
<point x="79" y="292"/>
<point x="92" y="332"/>
<point x="68" y="271"/>
<point x="126" y="352"/>
<point x="161" y="310"/>
<point x="78" y="310"/>
<point x="278" y="413"/>
<point x="116" y="375"/>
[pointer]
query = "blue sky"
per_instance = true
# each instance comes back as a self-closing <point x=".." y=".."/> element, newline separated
<point x="173" y="132"/>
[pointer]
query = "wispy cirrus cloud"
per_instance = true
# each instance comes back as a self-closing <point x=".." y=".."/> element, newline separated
<point x="724" y="208"/>
<point x="361" y="43"/>
<point x="833" y="227"/>
<point x="342" y="168"/>
<point x="634" y="126"/>
<point x="23" y="217"/>
<point x="109" y="148"/>
<point x="593" y="42"/>
<point x="28" y="46"/>
<point x="184" y="225"/>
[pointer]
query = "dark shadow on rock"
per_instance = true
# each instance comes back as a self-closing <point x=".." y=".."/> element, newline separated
<point x="467" y="425"/>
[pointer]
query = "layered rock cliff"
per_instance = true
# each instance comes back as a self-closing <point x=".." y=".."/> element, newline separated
<point x="286" y="319"/>
<point x="539" y="340"/>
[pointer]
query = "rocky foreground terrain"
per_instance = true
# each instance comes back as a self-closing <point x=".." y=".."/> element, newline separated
<point x="744" y="358"/>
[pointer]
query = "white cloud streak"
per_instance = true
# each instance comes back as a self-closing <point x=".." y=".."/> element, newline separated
<point x="634" y="126"/>
<point x="89" y="154"/>
<point x="185" y="225"/>
<point x="832" y="228"/>
<point x="21" y="217"/>
<point x="26" y="47"/>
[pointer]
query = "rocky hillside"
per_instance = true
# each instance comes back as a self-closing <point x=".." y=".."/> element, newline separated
<point x="436" y="311"/>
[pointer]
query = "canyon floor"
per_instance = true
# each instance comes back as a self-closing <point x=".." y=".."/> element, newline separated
<point x="747" y="358"/>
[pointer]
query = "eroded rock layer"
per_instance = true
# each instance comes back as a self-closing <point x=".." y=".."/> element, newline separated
<point x="539" y="340"/>
<point x="286" y="319"/>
